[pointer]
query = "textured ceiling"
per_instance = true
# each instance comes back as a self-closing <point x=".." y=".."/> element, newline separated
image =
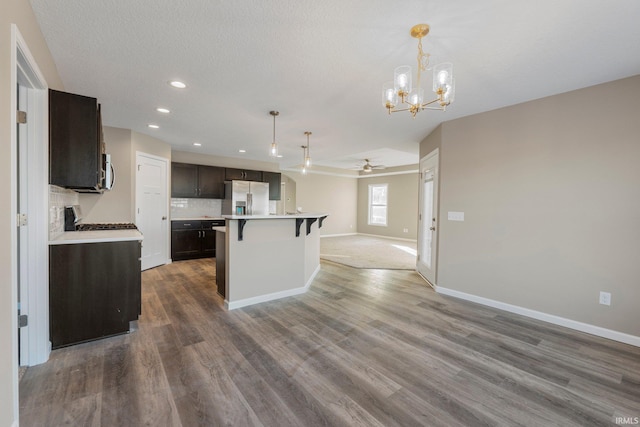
<point x="322" y="65"/>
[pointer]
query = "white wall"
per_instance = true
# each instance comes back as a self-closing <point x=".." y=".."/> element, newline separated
<point x="13" y="12"/>
<point x="551" y="195"/>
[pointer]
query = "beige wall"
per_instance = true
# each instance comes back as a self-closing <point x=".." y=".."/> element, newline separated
<point x="550" y="192"/>
<point x="402" y="207"/>
<point x="17" y="12"/>
<point x="118" y="205"/>
<point x="149" y="145"/>
<point x="114" y="205"/>
<point x="334" y="195"/>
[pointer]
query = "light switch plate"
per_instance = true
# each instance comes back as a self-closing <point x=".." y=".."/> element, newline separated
<point x="455" y="216"/>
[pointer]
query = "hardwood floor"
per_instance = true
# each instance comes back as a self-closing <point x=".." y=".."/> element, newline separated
<point x="361" y="348"/>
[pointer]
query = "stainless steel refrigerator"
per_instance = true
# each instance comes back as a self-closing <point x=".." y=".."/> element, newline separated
<point x="245" y="198"/>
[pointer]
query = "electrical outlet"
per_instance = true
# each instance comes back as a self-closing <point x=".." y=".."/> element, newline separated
<point x="405" y="230"/>
<point x="605" y="298"/>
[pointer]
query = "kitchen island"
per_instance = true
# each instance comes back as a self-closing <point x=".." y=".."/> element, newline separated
<point x="269" y="257"/>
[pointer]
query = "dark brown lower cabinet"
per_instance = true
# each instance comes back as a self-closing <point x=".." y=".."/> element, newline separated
<point x="221" y="256"/>
<point x="193" y="239"/>
<point x="94" y="290"/>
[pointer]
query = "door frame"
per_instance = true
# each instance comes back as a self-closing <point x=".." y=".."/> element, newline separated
<point x="167" y="194"/>
<point x="35" y="287"/>
<point x="436" y="206"/>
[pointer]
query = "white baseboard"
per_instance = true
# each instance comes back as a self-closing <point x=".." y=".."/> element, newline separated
<point x="387" y="237"/>
<point x="550" y="318"/>
<point x="338" y="235"/>
<point x="273" y="296"/>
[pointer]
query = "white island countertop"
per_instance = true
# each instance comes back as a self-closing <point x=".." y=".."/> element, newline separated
<point x="97" y="236"/>
<point x="297" y="215"/>
<point x="197" y="218"/>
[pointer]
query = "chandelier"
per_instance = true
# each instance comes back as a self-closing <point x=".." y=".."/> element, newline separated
<point x="306" y="154"/>
<point x="400" y="93"/>
<point x="273" y="151"/>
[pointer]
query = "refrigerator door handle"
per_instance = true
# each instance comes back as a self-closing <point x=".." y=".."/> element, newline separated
<point x="249" y="204"/>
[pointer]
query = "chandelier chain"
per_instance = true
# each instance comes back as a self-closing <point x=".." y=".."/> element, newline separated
<point x="423" y="60"/>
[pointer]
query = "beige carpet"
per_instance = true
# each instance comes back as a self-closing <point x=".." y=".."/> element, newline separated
<point x="369" y="252"/>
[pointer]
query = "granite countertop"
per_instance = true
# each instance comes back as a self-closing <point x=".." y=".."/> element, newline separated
<point x="98" y="236"/>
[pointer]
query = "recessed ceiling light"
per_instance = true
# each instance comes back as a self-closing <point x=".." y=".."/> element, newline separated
<point x="162" y="110"/>
<point x="177" y="84"/>
<point x="279" y="156"/>
<point x="242" y="151"/>
<point x="197" y="144"/>
<point x="152" y="126"/>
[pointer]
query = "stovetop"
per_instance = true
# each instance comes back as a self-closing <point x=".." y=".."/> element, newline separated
<point x="106" y="226"/>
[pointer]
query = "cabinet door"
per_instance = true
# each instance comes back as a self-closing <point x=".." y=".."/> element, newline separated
<point x="208" y="243"/>
<point x="185" y="244"/>
<point x="94" y="290"/>
<point x="273" y="178"/>
<point x="75" y="155"/>
<point x="220" y="263"/>
<point x="230" y="174"/>
<point x="211" y="182"/>
<point x="250" y="175"/>
<point x="184" y="180"/>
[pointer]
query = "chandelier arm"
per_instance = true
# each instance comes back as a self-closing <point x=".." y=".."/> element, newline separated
<point x="430" y="102"/>
<point x="395" y="110"/>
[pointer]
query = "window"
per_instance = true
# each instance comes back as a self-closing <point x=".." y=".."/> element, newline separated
<point x="378" y="204"/>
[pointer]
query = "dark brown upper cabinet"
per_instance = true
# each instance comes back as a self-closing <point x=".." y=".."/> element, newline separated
<point x="197" y="181"/>
<point x="242" y="174"/>
<point x="273" y="178"/>
<point x="75" y="142"/>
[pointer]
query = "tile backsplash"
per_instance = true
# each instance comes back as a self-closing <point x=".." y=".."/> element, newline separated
<point x="193" y="208"/>
<point x="58" y="199"/>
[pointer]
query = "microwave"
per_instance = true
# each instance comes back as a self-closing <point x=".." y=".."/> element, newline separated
<point x="108" y="174"/>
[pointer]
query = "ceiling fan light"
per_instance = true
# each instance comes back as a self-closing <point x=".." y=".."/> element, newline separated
<point x="367" y="168"/>
<point x="402" y="79"/>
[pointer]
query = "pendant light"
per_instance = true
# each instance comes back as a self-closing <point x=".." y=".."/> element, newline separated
<point x="304" y="159"/>
<point x="307" y="157"/>
<point x="273" y="151"/>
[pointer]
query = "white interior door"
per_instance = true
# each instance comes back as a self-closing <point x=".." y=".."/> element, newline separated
<point x="152" y="208"/>
<point x="428" y="217"/>
<point x="30" y="190"/>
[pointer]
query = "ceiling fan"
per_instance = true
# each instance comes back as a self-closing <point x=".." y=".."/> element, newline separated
<point x="368" y="167"/>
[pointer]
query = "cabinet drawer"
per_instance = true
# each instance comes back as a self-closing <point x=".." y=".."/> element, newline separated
<point x="206" y="225"/>
<point x="186" y="225"/>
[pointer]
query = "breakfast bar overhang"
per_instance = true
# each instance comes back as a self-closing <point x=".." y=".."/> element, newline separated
<point x="270" y="256"/>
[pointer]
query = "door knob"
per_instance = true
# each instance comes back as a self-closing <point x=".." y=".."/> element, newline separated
<point x="164" y="218"/>
<point x="432" y="228"/>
